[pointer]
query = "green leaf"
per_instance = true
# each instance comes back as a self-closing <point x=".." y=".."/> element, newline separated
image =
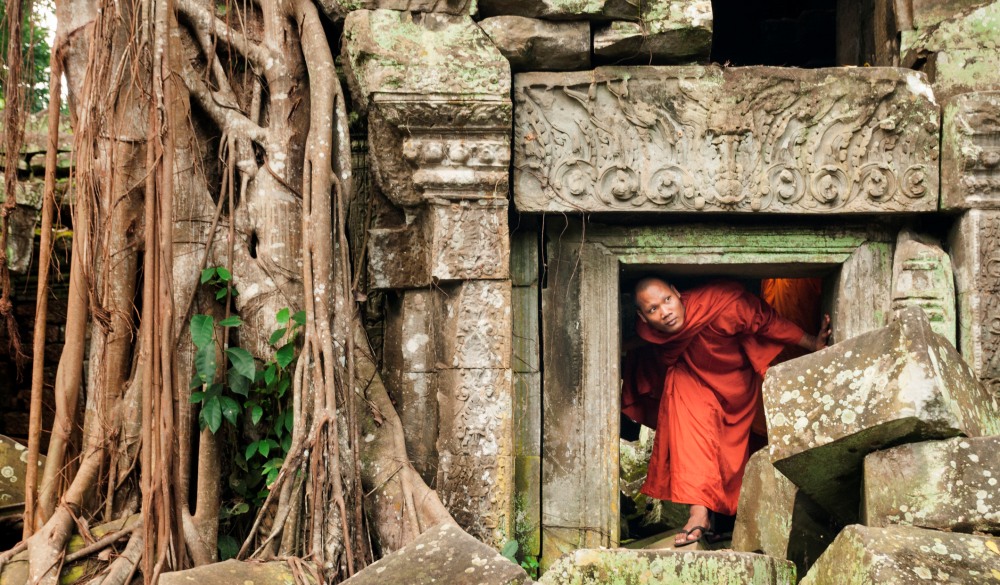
<point x="241" y="508"/>
<point x="270" y="373"/>
<point x="289" y="420"/>
<point x="286" y="443"/>
<point x="300" y="318"/>
<point x="202" y="330"/>
<point x="196" y="397"/>
<point x="230" y="409"/>
<point x="264" y="447"/>
<point x="231" y="321"/>
<point x="238" y="383"/>
<point x="256" y="412"/>
<point x="509" y="549"/>
<point x="242" y="362"/>
<point x="251" y="450"/>
<point x="277" y="335"/>
<point x="204" y="363"/>
<point x="211" y="414"/>
<point x="224" y="274"/>
<point x="282" y="316"/>
<point x="285" y="355"/>
<point x="195" y="382"/>
<point x="207" y="274"/>
<point x="220" y="294"/>
<point x="228" y="546"/>
<point x="283" y="385"/>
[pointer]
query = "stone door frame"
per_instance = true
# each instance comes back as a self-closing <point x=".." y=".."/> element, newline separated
<point x="581" y="340"/>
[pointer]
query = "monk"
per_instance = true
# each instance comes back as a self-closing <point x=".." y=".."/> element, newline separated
<point x="698" y="381"/>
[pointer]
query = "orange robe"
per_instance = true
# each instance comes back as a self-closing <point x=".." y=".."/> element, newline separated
<point x="703" y="383"/>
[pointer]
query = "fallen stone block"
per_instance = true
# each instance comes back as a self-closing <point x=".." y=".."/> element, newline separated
<point x="899" y="384"/>
<point x="777" y="519"/>
<point x="563" y="9"/>
<point x="337" y="9"/>
<point x="670" y="31"/>
<point x="667" y="567"/>
<point x="443" y="554"/>
<point x="942" y="485"/>
<point x="13" y="468"/>
<point x="906" y="556"/>
<point x="233" y="572"/>
<point x="531" y="44"/>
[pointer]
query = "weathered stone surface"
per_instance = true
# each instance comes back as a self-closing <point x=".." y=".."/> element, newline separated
<point x="900" y="384"/>
<point x="398" y="257"/>
<point x="475" y="476"/>
<point x="863" y="292"/>
<point x="700" y="139"/>
<point x="922" y="277"/>
<point x="468" y="239"/>
<point x="476" y="329"/>
<point x="922" y="14"/>
<point x="233" y="572"/>
<point x="970" y="151"/>
<point x="665" y="567"/>
<point x="975" y="252"/>
<point x="442" y="554"/>
<point x="943" y="485"/>
<point x="20" y="238"/>
<point x="13" y="467"/>
<point x="905" y="556"/>
<point x="563" y="9"/>
<point x="961" y="51"/>
<point x="670" y="31"/>
<point x="649" y="513"/>
<point x="337" y="9"/>
<point x="776" y="519"/>
<point x="531" y="44"/>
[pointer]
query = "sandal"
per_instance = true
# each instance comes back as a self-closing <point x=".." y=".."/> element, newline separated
<point x="705" y="532"/>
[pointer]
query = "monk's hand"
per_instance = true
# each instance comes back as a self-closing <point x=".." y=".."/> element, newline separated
<point x="824" y="333"/>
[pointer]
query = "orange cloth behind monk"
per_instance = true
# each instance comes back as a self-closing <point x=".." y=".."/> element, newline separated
<point x="704" y="384"/>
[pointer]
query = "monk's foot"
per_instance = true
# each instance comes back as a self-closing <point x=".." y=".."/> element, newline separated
<point x="697" y="526"/>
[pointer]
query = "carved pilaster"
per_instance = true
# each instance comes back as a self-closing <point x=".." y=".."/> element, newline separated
<point x="712" y="139"/>
<point x="970" y="151"/>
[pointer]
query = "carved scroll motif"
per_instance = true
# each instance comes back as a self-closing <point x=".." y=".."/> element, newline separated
<point x="989" y="287"/>
<point x="970" y="169"/>
<point x="709" y="139"/>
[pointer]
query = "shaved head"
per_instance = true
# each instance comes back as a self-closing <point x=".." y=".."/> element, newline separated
<point x="659" y="305"/>
<point x="648" y="281"/>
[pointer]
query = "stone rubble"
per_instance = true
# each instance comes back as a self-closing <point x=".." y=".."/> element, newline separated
<point x="531" y="44"/>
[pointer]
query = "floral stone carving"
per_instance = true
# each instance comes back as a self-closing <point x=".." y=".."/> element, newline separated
<point x="692" y="139"/>
<point x="970" y="161"/>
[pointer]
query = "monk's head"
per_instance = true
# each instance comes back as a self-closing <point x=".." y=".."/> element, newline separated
<point x="659" y="305"/>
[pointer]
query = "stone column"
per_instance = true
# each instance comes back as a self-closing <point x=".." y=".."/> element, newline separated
<point x="436" y="93"/>
<point x="970" y="173"/>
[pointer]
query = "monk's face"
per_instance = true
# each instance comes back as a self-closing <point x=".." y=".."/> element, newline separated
<point x="660" y="306"/>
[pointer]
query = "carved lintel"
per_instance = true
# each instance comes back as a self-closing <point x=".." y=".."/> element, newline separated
<point x="970" y="151"/>
<point x="708" y="139"/>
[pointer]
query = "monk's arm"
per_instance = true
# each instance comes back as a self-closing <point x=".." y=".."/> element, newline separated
<point x="817" y="342"/>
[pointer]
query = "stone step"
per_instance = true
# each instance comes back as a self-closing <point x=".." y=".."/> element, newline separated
<point x="667" y="567"/>
<point x="899" y="384"/>
<point x="901" y="555"/>
<point x="665" y="541"/>
<point x="943" y="485"/>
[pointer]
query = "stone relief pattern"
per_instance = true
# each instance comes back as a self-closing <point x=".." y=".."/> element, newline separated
<point x="989" y="313"/>
<point x="473" y="458"/>
<point x="980" y="157"/>
<point x="760" y="144"/>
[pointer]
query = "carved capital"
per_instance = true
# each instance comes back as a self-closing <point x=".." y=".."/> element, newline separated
<point x="708" y="139"/>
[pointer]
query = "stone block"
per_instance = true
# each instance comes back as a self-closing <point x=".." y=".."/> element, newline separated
<point x="528" y="413"/>
<point x="476" y="325"/>
<point x="776" y="519"/>
<point x="13" y="468"/>
<point x="942" y="485"/>
<point x="970" y="151"/>
<point x="974" y="244"/>
<point x="961" y="51"/>
<point x="526" y="329"/>
<point x="475" y="476"/>
<point x="524" y="265"/>
<point x="469" y="240"/>
<point x="234" y="572"/>
<point x="442" y="554"/>
<point x="862" y="296"/>
<point x="905" y="556"/>
<point x="528" y="504"/>
<point x="670" y="31"/>
<point x="398" y="258"/>
<point x="922" y="277"/>
<point x="563" y="9"/>
<point x="338" y="9"/>
<point x="667" y="567"/>
<point x="411" y="333"/>
<point x="900" y="384"/>
<point x="530" y="44"/>
<point x="927" y="13"/>
<point x="714" y="139"/>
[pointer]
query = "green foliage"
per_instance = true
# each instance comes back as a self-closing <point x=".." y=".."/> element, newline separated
<point x="35" y="54"/>
<point x="252" y="397"/>
<point x="527" y="562"/>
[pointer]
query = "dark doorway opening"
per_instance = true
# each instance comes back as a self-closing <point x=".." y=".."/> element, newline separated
<point x="788" y="33"/>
